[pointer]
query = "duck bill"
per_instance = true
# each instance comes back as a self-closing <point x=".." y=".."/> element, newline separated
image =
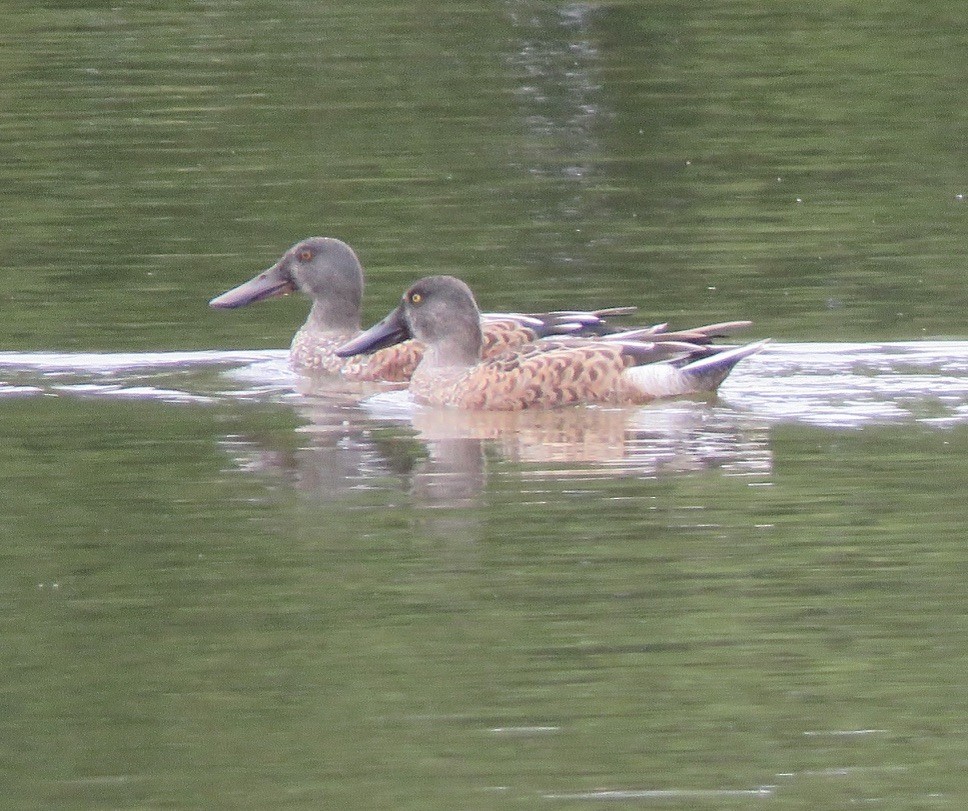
<point x="271" y="283"/>
<point x="391" y="330"/>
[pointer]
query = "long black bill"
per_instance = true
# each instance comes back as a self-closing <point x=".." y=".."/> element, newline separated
<point x="391" y="330"/>
<point x="273" y="282"/>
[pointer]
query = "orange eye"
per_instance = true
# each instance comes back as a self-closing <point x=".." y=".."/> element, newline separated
<point x="415" y="298"/>
<point x="305" y="254"/>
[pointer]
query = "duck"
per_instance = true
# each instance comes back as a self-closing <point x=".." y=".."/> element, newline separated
<point x="624" y="368"/>
<point x="329" y="272"/>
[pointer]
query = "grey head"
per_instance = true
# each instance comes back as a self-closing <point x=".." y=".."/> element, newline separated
<point x="325" y="269"/>
<point x="439" y="311"/>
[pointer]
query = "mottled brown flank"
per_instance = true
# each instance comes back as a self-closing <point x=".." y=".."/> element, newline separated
<point x="499" y="336"/>
<point x="314" y="353"/>
<point x="395" y="364"/>
<point x="536" y="377"/>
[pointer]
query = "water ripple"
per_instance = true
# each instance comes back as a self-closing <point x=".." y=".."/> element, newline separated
<point x="835" y="385"/>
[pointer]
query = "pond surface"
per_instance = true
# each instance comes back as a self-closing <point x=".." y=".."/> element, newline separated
<point x="217" y="593"/>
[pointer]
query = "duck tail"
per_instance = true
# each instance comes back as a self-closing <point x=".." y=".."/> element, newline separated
<point x="678" y="378"/>
<point x="707" y="373"/>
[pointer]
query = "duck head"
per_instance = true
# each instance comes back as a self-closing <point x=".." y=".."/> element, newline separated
<point x="325" y="269"/>
<point x="439" y="311"/>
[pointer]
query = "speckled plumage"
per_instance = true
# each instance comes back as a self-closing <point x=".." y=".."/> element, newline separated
<point x="314" y="353"/>
<point x="329" y="272"/>
<point x="630" y="369"/>
<point x="534" y="376"/>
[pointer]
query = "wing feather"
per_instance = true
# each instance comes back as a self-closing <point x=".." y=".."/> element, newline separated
<point x="544" y="375"/>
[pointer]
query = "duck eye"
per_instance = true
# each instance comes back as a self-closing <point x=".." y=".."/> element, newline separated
<point x="415" y="298"/>
<point x="305" y="254"/>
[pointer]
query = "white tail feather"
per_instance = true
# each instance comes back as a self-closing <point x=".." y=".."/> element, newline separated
<point x="657" y="380"/>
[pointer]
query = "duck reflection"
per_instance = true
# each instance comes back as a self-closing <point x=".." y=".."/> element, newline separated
<point x="439" y="458"/>
<point x="648" y="441"/>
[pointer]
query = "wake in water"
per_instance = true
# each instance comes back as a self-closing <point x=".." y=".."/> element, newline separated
<point x="850" y="385"/>
<point x="832" y="385"/>
<point x="173" y="377"/>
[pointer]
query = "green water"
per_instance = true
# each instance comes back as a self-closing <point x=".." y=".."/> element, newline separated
<point x="239" y="603"/>
<point x="178" y="631"/>
<point x="550" y="153"/>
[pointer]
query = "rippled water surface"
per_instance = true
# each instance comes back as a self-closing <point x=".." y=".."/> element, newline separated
<point x="689" y="603"/>
<point x="218" y="593"/>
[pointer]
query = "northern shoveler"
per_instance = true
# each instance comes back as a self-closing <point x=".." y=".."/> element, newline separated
<point x="329" y="272"/>
<point x="625" y="368"/>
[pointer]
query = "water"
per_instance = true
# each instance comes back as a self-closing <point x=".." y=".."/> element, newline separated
<point x="217" y="593"/>
<point x="833" y="385"/>
<point x="686" y="603"/>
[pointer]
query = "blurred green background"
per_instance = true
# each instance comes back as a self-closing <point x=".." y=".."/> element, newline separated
<point x="803" y="167"/>
<point x="223" y="604"/>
